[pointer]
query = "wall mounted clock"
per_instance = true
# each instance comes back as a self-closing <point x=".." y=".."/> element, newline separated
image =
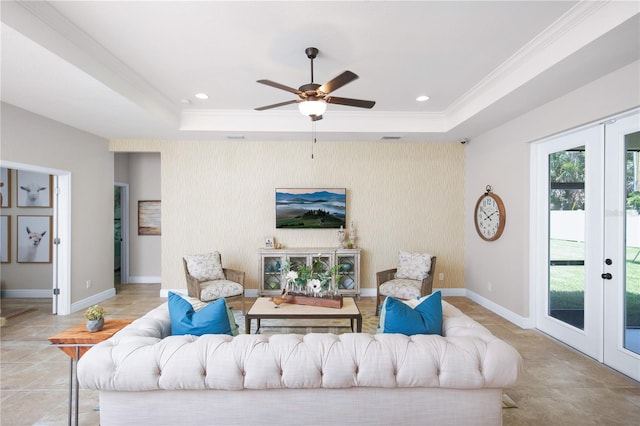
<point x="490" y="216"/>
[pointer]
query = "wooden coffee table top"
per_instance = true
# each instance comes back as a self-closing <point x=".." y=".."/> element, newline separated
<point x="265" y="308"/>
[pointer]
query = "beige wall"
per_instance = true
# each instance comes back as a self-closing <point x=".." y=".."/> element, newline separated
<point x="31" y="139"/>
<point x="220" y="195"/>
<point x="501" y="158"/>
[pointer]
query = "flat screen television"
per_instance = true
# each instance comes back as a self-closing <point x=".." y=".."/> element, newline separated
<point x="311" y="207"/>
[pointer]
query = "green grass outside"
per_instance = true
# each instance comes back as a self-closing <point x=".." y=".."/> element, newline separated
<point x="567" y="282"/>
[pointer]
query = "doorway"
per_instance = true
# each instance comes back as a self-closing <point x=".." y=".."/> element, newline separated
<point x="585" y="237"/>
<point x="121" y="233"/>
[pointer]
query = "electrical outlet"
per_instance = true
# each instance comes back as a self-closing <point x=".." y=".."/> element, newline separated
<point x="88" y="283"/>
<point x="490" y="286"/>
<point x="441" y="276"/>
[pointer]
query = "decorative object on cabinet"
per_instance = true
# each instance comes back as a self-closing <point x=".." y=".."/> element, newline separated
<point x="149" y="217"/>
<point x="411" y="279"/>
<point x="208" y="280"/>
<point x="5" y="239"/>
<point x="341" y="235"/>
<point x="5" y="187"/>
<point x="352" y="235"/>
<point x="34" y="239"/>
<point x="34" y="189"/>
<point x="268" y="242"/>
<point x="311" y="208"/>
<point x="298" y="265"/>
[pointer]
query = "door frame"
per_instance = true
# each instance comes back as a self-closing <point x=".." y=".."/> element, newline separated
<point x="61" y="259"/>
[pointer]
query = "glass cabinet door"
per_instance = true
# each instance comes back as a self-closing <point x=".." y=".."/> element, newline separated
<point x="346" y="274"/>
<point x="272" y="268"/>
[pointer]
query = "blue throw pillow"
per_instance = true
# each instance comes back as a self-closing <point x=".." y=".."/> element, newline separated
<point x="397" y="316"/>
<point x="213" y="318"/>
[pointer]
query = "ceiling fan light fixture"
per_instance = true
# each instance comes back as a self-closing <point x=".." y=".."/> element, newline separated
<point x="309" y="108"/>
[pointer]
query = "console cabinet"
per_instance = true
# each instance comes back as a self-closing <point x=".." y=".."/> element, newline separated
<point x="272" y="261"/>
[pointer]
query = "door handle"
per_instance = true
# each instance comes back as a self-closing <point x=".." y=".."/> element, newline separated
<point x="606" y="276"/>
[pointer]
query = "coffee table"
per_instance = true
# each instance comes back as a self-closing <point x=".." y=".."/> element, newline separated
<point x="264" y="308"/>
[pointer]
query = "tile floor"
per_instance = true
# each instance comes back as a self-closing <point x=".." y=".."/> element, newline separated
<point x="558" y="386"/>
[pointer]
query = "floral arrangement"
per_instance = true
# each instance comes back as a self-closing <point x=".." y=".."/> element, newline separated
<point x="312" y="278"/>
<point x="95" y="312"/>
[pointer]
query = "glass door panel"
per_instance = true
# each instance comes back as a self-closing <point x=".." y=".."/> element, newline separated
<point x="632" y="245"/>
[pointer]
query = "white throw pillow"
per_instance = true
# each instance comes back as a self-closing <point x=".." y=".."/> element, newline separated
<point x="205" y="267"/>
<point x="413" y="266"/>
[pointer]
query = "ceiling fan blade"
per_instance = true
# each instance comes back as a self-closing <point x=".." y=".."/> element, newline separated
<point x="280" y="86"/>
<point x="349" y="102"/>
<point x="338" y="82"/>
<point x="295" y="101"/>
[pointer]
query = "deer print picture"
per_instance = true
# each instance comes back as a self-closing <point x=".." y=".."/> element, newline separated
<point x="34" y="242"/>
<point x="34" y="189"/>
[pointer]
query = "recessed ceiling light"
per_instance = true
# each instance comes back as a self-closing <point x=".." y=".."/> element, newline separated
<point x="202" y="96"/>
<point x="422" y="98"/>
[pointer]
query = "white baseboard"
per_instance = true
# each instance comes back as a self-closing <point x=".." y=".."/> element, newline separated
<point x="520" y="321"/>
<point x="27" y="294"/>
<point x="92" y="300"/>
<point x="144" y="280"/>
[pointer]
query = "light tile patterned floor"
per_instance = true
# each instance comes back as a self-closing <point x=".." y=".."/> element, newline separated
<point x="558" y="386"/>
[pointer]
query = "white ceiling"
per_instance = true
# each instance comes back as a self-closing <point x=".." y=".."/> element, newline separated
<point x="123" y="69"/>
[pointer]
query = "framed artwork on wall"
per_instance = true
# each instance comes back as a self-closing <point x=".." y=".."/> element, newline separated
<point x="5" y="239"/>
<point x="34" y="239"/>
<point x="311" y="208"/>
<point x="149" y="217"/>
<point x="34" y="189"/>
<point x="5" y="187"/>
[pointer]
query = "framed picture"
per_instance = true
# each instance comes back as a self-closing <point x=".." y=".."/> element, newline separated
<point x="34" y="189"/>
<point x="149" y="217"/>
<point x="5" y="187"/>
<point x="311" y="208"/>
<point x="34" y="239"/>
<point x="5" y="239"/>
<point x="268" y="242"/>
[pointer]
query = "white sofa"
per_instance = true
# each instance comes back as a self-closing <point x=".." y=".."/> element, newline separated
<point x="147" y="377"/>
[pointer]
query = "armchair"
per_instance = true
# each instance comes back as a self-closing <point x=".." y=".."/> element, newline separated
<point x="414" y="280"/>
<point x="207" y="280"/>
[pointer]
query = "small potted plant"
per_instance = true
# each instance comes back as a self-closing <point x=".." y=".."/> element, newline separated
<point x="95" y="318"/>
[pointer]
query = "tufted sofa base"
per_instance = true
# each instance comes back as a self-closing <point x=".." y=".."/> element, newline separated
<point x="146" y="376"/>
<point x="354" y="406"/>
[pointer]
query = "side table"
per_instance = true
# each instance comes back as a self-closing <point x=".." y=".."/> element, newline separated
<point x="75" y="342"/>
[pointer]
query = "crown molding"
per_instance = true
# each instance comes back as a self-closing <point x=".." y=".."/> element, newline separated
<point x="579" y="26"/>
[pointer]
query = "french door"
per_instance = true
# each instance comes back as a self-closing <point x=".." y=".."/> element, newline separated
<point x="584" y="240"/>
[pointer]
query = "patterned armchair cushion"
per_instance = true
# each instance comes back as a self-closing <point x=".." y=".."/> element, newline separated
<point x="205" y="267"/>
<point x="212" y="290"/>
<point x="413" y="266"/>
<point x="401" y="288"/>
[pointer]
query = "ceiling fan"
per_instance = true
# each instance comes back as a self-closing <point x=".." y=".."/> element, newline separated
<point x="313" y="97"/>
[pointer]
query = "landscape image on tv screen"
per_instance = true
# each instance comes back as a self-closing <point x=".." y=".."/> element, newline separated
<point x="311" y="208"/>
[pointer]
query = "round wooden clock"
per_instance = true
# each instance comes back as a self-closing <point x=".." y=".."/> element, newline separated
<point x="490" y="216"/>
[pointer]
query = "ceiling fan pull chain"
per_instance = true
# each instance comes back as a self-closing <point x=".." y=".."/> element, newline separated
<point x="313" y="137"/>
